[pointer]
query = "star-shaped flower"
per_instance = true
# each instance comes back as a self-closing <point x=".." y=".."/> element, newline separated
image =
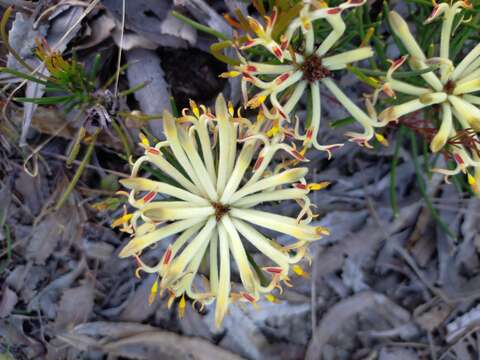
<point x="215" y="169"/>
<point x="303" y="65"/>
<point x="451" y="90"/>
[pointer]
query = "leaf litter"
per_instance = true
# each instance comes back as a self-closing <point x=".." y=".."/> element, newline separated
<point x="382" y="286"/>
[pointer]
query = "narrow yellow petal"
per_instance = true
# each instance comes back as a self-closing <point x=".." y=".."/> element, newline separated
<point x="138" y="243"/>
<point x="223" y="294"/>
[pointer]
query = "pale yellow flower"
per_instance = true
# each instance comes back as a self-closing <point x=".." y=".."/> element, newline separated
<point x="304" y="66"/>
<point x="451" y="88"/>
<point x="219" y="174"/>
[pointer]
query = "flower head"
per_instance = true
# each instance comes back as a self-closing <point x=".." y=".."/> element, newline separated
<point x="303" y="66"/>
<point x="64" y="72"/>
<point x="216" y="171"/>
<point x="448" y="87"/>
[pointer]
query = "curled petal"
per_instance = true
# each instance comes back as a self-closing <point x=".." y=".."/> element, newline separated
<point x="438" y="10"/>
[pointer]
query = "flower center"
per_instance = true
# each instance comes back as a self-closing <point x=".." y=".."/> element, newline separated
<point x="220" y="210"/>
<point x="313" y="70"/>
<point x="449" y="87"/>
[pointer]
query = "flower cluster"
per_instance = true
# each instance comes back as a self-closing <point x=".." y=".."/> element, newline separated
<point x="449" y="88"/>
<point x="203" y="183"/>
<point x="302" y="65"/>
<point x="218" y="175"/>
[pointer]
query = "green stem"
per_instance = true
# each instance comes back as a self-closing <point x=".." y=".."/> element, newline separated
<point x="393" y="173"/>
<point x="22" y="75"/>
<point x="308" y="121"/>
<point x="78" y="140"/>
<point x="199" y="26"/>
<point x="258" y="271"/>
<point x="423" y="189"/>
<point x="174" y="107"/>
<point x="216" y="50"/>
<point x="363" y="77"/>
<point x="139" y="117"/>
<point x="75" y="147"/>
<point x="342" y="122"/>
<point x="114" y="76"/>
<point x="79" y="171"/>
<point x="398" y="74"/>
<point x="123" y="138"/>
<point x="133" y="89"/>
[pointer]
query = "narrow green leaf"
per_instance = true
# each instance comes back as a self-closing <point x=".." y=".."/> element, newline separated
<point x="49" y="100"/>
<point x="174" y="107"/>
<point x="79" y="172"/>
<point x="97" y="62"/>
<point x="423" y="188"/>
<point x="22" y="75"/>
<point x="342" y="122"/>
<point x="308" y="120"/>
<point x="198" y="26"/>
<point x="393" y="172"/>
<point x="133" y="89"/>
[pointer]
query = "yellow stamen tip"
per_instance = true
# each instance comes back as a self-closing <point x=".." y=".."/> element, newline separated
<point x="318" y="186"/>
<point x="306" y="23"/>
<point x="273" y="131"/>
<point x="231" y="110"/>
<point x="144" y="140"/>
<point x="256" y="101"/>
<point x="194" y="107"/>
<point x="322" y="230"/>
<point x="230" y="74"/>
<point x="297" y="269"/>
<point x="472" y="182"/>
<point x="272" y="299"/>
<point x="322" y="4"/>
<point x="181" y="307"/>
<point x="170" y="300"/>
<point x="121" y="220"/>
<point x="381" y="139"/>
<point x="153" y="292"/>
<point x="471" y="179"/>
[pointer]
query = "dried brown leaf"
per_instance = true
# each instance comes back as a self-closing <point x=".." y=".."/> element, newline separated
<point x="137" y="341"/>
<point x="137" y="308"/>
<point x="7" y="302"/>
<point x="100" y="29"/>
<point x="343" y="312"/>
<point x="76" y="306"/>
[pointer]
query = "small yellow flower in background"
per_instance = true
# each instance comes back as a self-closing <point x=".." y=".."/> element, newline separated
<point x="302" y="65"/>
<point x="54" y="61"/>
<point x="450" y="88"/>
<point x="62" y="71"/>
<point x="219" y="174"/>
